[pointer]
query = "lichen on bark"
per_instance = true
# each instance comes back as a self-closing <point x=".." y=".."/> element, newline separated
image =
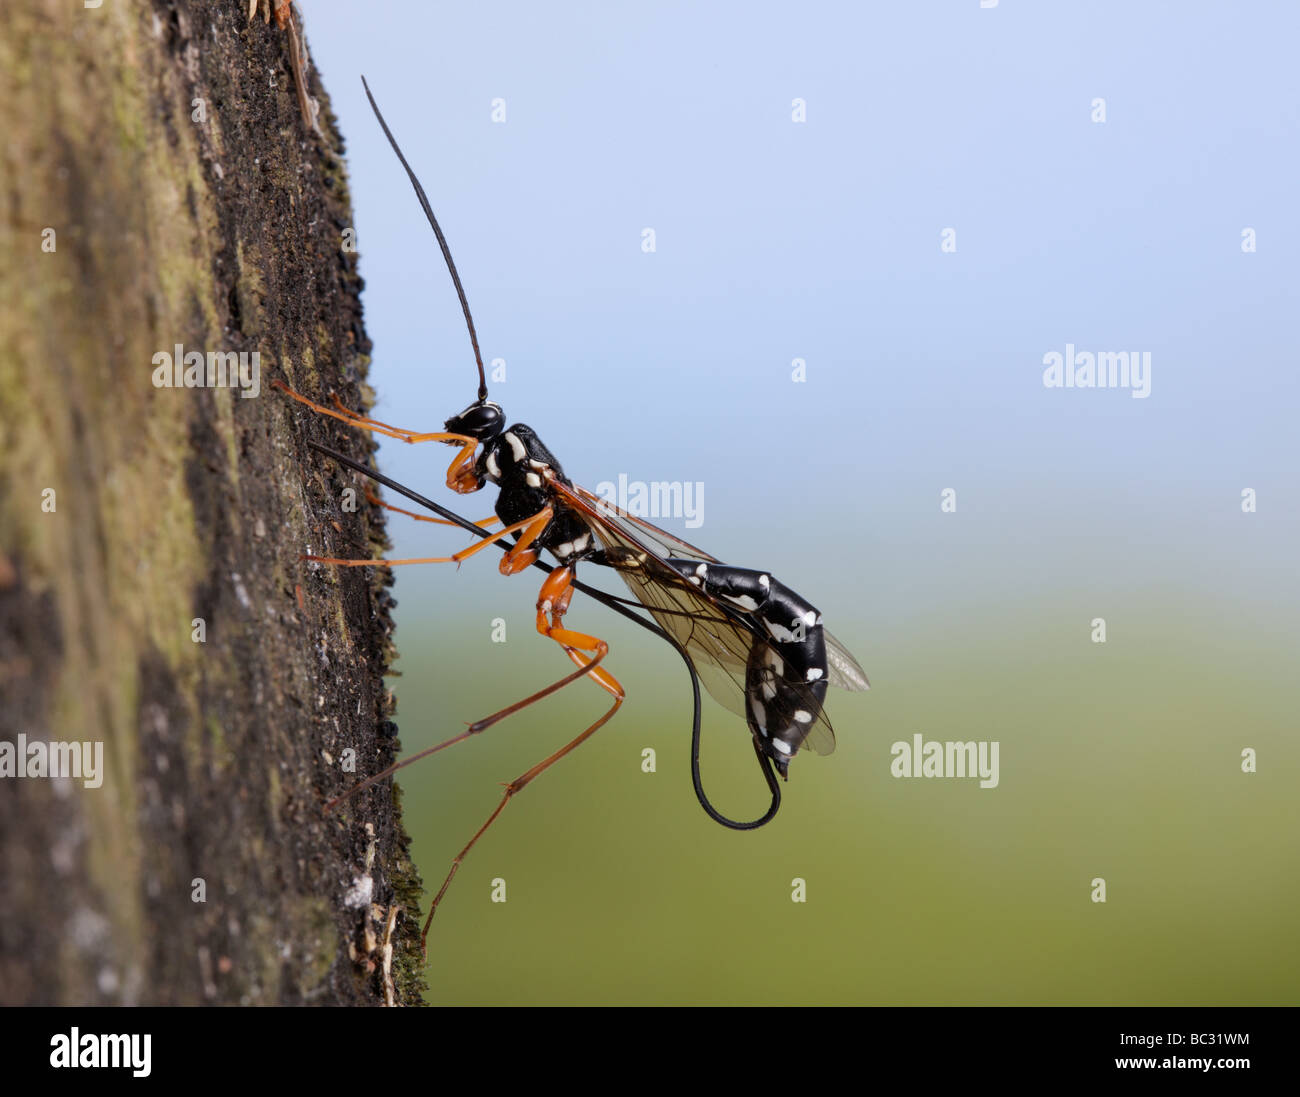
<point x="159" y="189"/>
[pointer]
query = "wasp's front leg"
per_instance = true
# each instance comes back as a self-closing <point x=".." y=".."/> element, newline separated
<point x="461" y="477"/>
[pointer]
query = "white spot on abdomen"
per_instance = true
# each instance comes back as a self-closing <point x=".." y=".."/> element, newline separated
<point x="779" y="634"/>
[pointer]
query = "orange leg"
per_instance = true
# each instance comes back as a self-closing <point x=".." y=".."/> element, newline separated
<point x="354" y="419"/>
<point x="531" y="529"/>
<point x="357" y="419"/>
<point x="517" y="785"/>
<point x="460" y="473"/>
<point x="553" y="601"/>
<point x="586" y="667"/>
<point x="374" y="500"/>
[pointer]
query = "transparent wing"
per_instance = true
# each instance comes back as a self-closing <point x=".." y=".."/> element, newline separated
<point x="844" y="669"/>
<point x="660" y="540"/>
<point x="717" y="637"/>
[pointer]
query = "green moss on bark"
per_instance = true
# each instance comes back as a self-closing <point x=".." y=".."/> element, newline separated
<point x="172" y="505"/>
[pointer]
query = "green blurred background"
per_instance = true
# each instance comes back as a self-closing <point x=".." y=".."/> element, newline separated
<point x="1119" y="760"/>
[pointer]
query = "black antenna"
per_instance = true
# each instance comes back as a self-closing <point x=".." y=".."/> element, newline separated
<point x="442" y="240"/>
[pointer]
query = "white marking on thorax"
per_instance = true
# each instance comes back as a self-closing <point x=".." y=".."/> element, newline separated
<point x="517" y="449"/>
<point x="572" y="548"/>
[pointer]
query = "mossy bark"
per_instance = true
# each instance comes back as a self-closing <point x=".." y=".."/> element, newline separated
<point x="132" y="219"/>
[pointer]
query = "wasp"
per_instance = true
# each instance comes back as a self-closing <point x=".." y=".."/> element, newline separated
<point x="759" y="647"/>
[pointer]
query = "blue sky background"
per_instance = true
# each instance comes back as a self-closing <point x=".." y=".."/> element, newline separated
<point x="821" y="241"/>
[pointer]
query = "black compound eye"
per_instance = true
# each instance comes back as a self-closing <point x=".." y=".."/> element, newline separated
<point x="482" y="421"/>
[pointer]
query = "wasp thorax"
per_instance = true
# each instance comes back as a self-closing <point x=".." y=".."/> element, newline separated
<point x="483" y="420"/>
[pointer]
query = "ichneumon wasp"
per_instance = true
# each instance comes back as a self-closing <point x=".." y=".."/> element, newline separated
<point x="760" y="649"/>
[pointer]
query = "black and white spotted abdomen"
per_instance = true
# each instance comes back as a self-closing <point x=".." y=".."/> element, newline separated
<point x="786" y="672"/>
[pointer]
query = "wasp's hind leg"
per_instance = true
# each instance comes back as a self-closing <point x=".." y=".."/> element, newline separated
<point x="556" y="593"/>
<point x="552" y="603"/>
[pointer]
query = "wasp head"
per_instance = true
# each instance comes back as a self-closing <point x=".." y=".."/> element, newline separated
<point x="483" y="420"/>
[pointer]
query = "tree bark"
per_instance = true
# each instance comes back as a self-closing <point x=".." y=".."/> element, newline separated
<point x="151" y="593"/>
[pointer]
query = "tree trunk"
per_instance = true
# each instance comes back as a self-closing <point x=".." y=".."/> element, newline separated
<point x="162" y="186"/>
